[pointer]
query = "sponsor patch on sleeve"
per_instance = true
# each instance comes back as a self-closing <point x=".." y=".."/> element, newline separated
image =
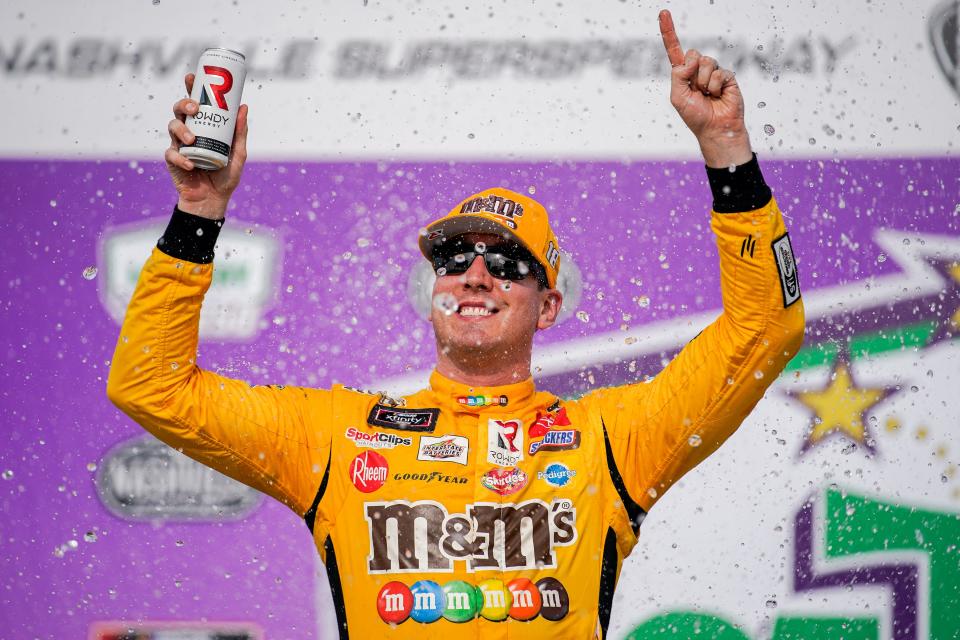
<point x="403" y="419"/>
<point x="787" y="269"/>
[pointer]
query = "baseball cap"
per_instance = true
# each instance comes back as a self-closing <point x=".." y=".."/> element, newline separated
<point x="506" y="213"/>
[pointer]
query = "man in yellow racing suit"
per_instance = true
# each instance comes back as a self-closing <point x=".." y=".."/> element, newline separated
<point x="479" y="506"/>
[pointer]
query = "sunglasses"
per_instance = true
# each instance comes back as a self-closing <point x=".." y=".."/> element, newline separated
<point x="504" y="262"/>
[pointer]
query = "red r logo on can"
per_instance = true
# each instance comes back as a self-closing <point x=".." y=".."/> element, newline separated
<point x="219" y="91"/>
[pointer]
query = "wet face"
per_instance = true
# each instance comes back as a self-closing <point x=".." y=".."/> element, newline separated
<point x="476" y="315"/>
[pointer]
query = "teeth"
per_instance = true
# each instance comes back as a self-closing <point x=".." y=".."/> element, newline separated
<point x="474" y="311"/>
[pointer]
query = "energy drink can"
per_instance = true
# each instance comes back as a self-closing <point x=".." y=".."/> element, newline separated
<point x="217" y="88"/>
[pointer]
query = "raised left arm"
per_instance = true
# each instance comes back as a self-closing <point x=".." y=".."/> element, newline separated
<point x="660" y="430"/>
<point x="708" y="99"/>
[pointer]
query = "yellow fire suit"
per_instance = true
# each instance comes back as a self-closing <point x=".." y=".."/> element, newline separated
<point x="483" y="512"/>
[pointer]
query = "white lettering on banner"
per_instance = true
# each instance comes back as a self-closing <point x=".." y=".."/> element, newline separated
<point x="555" y="56"/>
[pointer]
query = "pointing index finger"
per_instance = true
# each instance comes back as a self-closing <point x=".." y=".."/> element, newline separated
<point x="670" y="40"/>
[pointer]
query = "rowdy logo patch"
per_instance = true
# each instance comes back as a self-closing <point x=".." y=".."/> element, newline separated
<point x="787" y="268"/>
<point x="403" y="419"/>
<point x="504" y="442"/>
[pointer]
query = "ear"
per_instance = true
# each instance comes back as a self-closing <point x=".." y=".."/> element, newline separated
<point x="550" y="304"/>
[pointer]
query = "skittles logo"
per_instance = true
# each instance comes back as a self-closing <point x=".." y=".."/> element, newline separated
<point x="425" y="601"/>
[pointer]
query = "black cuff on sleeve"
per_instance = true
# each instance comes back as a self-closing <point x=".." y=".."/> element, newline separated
<point x="189" y="237"/>
<point x="740" y="190"/>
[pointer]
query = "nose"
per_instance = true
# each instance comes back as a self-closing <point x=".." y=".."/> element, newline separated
<point x="477" y="276"/>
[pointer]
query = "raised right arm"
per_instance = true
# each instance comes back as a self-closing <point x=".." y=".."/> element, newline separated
<point x="268" y="437"/>
<point x="272" y="438"/>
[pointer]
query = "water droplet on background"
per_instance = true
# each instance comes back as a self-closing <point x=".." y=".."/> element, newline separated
<point x="583" y="316"/>
<point x="694" y="440"/>
<point x="89" y="273"/>
<point x="769" y="130"/>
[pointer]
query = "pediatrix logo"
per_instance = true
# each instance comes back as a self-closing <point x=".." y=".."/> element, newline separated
<point x="924" y="599"/>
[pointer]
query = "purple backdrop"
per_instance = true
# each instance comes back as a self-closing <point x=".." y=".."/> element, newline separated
<point x="615" y="219"/>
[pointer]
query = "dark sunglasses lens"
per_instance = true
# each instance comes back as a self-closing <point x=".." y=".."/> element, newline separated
<point x="499" y="265"/>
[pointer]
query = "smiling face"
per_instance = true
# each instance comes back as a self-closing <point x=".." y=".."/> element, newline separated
<point x="484" y="323"/>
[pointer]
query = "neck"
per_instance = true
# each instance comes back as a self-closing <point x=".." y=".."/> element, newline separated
<point x="484" y="370"/>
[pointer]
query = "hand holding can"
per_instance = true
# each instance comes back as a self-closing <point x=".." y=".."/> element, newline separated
<point x="206" y="192"/>
<point x="217" y="90"/>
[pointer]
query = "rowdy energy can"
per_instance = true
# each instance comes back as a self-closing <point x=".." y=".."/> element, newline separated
<point x="217" y="88"/>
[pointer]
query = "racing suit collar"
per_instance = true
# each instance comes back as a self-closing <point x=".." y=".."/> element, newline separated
<point x="471" y="398"/>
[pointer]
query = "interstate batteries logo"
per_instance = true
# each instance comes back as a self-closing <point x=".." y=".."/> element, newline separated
<point x="444" y="449"/>
<point x="424" y="536"/>
<point x="376" y="439"/>
<point x="426" y="601"/>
